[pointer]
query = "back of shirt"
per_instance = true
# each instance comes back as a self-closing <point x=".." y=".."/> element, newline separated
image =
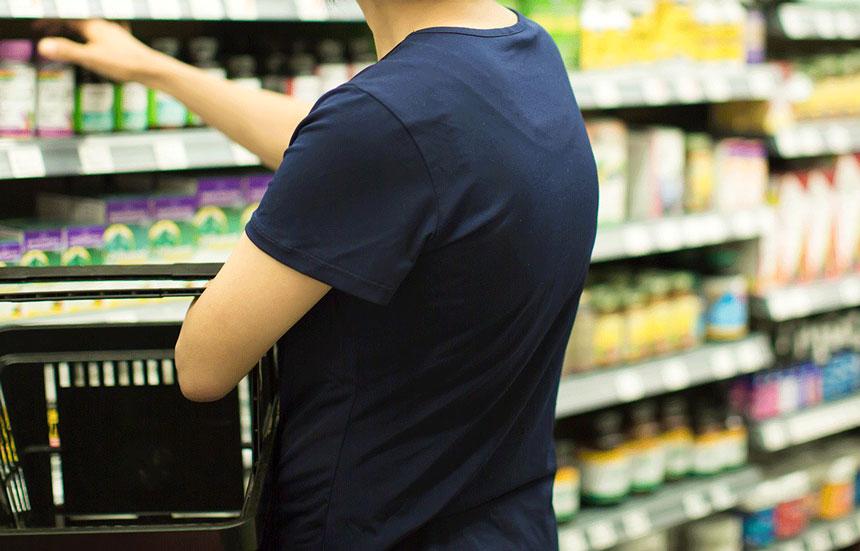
<point x="448" y="194"/>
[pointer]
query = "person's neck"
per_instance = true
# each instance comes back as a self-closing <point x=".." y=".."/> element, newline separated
<point x="393" y="20"/>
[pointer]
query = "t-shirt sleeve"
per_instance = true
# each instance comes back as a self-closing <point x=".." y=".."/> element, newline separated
<point x="351" y="204"/>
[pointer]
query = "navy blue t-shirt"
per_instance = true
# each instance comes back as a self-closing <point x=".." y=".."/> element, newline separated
<point x="448" y="194"/>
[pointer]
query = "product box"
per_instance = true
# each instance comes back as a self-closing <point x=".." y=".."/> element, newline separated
<point x="220" y="204"/>
<point x="84" y="246"/>
<point x="42" y="243"/>
<point x="255" y="188"/>
<point x="656" y="160"/>
<point x="10" y="255"/>
<point x="741" y="174"/>
<point x="173" y="235"/>
<point x="126" y="219"/>
<point x="792" y="214"/>
<point x="818" y="237"/>
<point x="846" y="223"/>
<point x="609" y="142"/>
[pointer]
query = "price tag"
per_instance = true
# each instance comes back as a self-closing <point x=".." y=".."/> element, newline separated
<point x="26" y="8"/>
<point x="212" y="10"/>
<point x="715" y="228"/>
<point x="636" y="524"/>
<point x="165" y="9"/>
<point x="824" y="22"/>
<point x="636" y="240"/>
<point x="774" y="436"/>
<point x="117" y="9"/>
<point x="675" y="375"/>
<point x="800" y="303"/>
<point x="629" y="386"/>
<point x="792" y="21"/>
<point x="689" y="89"/>
<point x="750" y="356"/>
<point x="655" y="91"/>
<point x="844" y="535"/>
<point x="241" y="9"/>
<point x="668" y="235"/>
<point x="848" y="24"/>
<point x="312" y="10"/>
<point x="602" y="535"/>
<point x="571" y="539"/>
<point x="792" y="546"/>
<point x="819" y="541"/>
<point x="856" y="518"/>
<point x="811" y="141"/>
<point x="718" y="89"/>
<point x="849" y="291"/>
<point x="606" y="93"/>
<point x="170" y="154"/>
<point x="73" y="9"/>
<point x="242" y="156"/>
<point x="788" y="143"/>
<point x="761" y="82"/>
<point x="25" y="161"/>
<point x="693" y="230"/>
<point x="744" y="224"/>
<point x="695" y="506"/>
<point x="95" y="158"/>
<point x="722" y="498"/>
<point x="838" y="138"/>
<point x="723" y="364"/>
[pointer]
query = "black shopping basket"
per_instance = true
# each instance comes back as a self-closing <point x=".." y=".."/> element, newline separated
<point x="98" y="448"/>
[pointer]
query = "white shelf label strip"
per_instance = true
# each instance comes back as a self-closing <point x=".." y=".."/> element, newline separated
<point x="26" y="161"/>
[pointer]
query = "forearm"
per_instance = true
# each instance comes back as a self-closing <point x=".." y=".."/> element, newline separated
<point x="260" y="120"/>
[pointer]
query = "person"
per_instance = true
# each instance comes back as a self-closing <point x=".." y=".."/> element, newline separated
<point x="419" y="257"/>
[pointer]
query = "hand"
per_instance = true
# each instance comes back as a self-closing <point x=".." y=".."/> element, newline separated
<point x="109" y="50"/>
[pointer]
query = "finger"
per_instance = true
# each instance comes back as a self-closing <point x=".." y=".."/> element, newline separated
<point x="63" y="49"/>
<point x="88" y="29"/>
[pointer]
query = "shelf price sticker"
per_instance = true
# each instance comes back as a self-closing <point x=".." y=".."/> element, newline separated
<point x="695" y="506"/>
<point x="637" y="241"/>
<point x="750" y="355"/>
<point x="811" y="141"/>
<point x="241" y="9"/>
<point x="629" y="386"/>
<point x="73" y="9"/>
<point x="606" y="93"/>
<point x="848" y="24"/>
<point x="571" y="539"/>
<point x="656" y="91"/>
<point x="636" y="524"/>
<point x="819" y="541"/>
<point x="602" y="535"/>
<point x="312" y="10"/>
<point x="26" y="161"/>
<point x="95" y="158"/>
<point x="824" y="22"/>
<point x="170" y="154"/>
<point x="26" y="8"/>
<point x="165" y="9"/>
<point x="118" y="9"/>
<point x="689" y="89"/>
<point x="722" y="498"/>
<point x="212" y="10"/>
<point x="694" y="232"/>
<point x="760" y="81"/>
<point x="838" y="138"/>
<point x="667" y="234"/>
<point x="774" y="435"/>
<point x="676" y="375"/>
<point x="718" y="89"/>
<point x="849" y="291"/>
<point x="242" y="156"/>
<point x="723" y="364"/>
<point x="744" y="224"/>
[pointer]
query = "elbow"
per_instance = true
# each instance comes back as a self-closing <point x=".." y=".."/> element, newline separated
<point x="196" y="381"/>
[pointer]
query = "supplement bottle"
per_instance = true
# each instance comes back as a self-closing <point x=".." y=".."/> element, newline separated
<point x="333" y="69"/>
<point x="203" y="54"/>
<point x="242" y="69"/>
<point x="304" y="83"/>
<point x="94" y="104"/>
<point x="17" y="89"/>
<point x="608" y="327"/>
<point x="55" y="104"/>
<point x="165" y="111"/>
<point x="687" y="326"/>
<point x="636" y="330"/>
<point x="720" y="533"/>
<point x="758" y="510"/>
<point x="579" y="355"/>
<point x="276" y="78"/>
<point x="677" y="438"/>
<point x="565" y="493"/>
<point x="362" y="53"/>
<point x="735" y="442"/>
<point x="604" y="461"/>
<point x="727" y="298"/>
<point x="708" y="448"/>
<point x="131" y="103"/>
<point x="701" y="171"/>
<point x="660" y="313"/>
<point x="646" y="449"/>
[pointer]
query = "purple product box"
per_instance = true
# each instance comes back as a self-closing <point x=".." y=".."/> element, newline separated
<point x="85" y="236"/>
<point x="10" y="251"/>
<point x="220" y="192"/>
<point x="257" y="186"/>
<point x="43" y="239"/>
<point x="127" y="210"/>
<point x="174" y="207"/>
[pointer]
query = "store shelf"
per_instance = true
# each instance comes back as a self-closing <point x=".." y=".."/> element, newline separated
<point x="671" y="84"/>
<point x="809" y="139"/>
<point x="213" y="10"/>
<point x="817" y="22"/>
<point x="713" y="362"/>
<point x="807" y="425"/>
<point x="798" y="301"/>
<point x="602" y="528"/>
<point x="120" y="311"/>
<point x="118" y="153"/>
<point x="825" y="536"/>
<point x="677" y="233"/>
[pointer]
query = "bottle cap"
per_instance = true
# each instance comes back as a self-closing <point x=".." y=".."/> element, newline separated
<point x="242" y="66"/>
<point x="302" y="64"/>
<point x="167" y="45"/>
<point x="331" y="51"/>
<point x="203" y="49"/>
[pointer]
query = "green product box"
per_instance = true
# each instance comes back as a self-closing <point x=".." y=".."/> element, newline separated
<point x="220" y="204"/>
<point x="84" y="246"/>
<point x="42" y="243"/>
<point x="255" y="189"/>
<point x="173" y="235"/>
<point x="10" y="255"/>
<point x="125" y="219"/>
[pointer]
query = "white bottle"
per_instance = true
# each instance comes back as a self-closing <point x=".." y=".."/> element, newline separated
<point x="17" y="89"/>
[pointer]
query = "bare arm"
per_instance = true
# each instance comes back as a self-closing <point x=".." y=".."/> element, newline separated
<point x="260" y="120"/>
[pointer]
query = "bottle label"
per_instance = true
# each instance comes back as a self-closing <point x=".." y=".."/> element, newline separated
<point x="565" y="493"/>
<point x="306" y="88"/>
<point x="679" y="453"/>
<point x="95" y="107"/>
<point x="727" y="317"/>
<point x="708" y="454"/>
<point x="17" y="100"/>
<point x="648" y="464"/>
<point x="55" y="102"/>
<point x="132" y="102"/>
<point x="165" y="111"/>
<point x="605" y="475"/>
